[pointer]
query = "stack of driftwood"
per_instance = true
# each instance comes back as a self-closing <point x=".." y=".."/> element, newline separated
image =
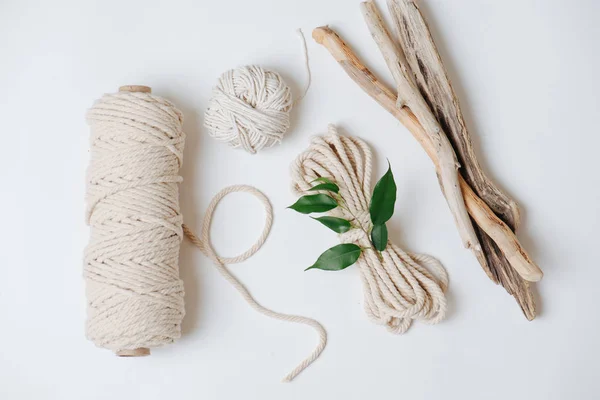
<point x="426" y="104"/>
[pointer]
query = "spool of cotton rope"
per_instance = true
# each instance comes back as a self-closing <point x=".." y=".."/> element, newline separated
<point x="134" y="294"/>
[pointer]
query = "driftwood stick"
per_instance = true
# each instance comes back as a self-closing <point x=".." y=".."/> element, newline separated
<point x="479" y="211"/>
<point x="432" y="80"/>
<point x="412" y="99"/>
<point x="431" y="77"/>
<point x="409" y="96"/>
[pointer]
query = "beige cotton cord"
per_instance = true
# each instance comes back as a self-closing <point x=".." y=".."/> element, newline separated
<point x="203" y="243"/>
<point x="135" y="296"/>
<point x="250" y="106"/>
<point x="131" y="264"/>
<point x="399" y="287"/>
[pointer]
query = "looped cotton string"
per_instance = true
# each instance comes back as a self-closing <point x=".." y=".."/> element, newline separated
<point x="250" y="106"/>
<point x="399" y="287"/>
<point x="203" y="243"/>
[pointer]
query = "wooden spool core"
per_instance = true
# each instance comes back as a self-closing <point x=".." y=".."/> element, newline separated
<point x="135" y="88"/>
<point x="142" y="351"/>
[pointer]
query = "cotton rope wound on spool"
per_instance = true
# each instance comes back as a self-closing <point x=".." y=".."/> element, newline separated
<point x="134" y="294"/>
<point x="399" y="287"/>
<point x="249" y="109"/>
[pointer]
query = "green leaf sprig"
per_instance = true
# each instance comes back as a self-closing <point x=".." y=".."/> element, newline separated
<point x="381" y="210"/>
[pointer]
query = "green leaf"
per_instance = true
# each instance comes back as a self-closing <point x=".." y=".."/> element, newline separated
<point x="337" y="258"/>
<point x="314" y="203"/>
<point x="379" y="236"/>
<point x="338" y="225"/>
<point x="384" y="198"/>
<point x="332" y="187"/>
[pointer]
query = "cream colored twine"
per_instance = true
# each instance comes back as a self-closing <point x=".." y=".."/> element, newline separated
<point x="135" y="296"/>
<point x="250" y="106"/>
<point x="203" y="243"/>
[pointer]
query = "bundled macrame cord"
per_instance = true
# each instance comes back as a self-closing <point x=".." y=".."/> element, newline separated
<point x="398" y="288"/>
<point x="135" y="296"/>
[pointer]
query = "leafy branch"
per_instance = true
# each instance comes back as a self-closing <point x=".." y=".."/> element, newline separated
<point x="381" y="210"/>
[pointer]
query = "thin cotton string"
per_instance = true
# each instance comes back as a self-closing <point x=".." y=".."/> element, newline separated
<point x="306" y="66"/>
<point x="399" y="287"/>
<point x="204" y="244"/>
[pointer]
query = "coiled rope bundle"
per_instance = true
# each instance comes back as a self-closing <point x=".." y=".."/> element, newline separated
<point x="135" y="296"/>
<point x="399" y="287"/>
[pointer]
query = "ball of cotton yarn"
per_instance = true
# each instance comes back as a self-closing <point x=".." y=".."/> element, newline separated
<point x="250" y="108"/>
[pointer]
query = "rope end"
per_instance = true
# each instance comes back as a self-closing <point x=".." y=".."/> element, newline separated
<point x="332" y="129"/>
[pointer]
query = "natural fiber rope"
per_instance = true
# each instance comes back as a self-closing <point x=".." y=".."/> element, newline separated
<point x="203" y="243"/>
<point x="135" y="296"/>
<point x="398" y="288"/>
<point x="250" y="106"/>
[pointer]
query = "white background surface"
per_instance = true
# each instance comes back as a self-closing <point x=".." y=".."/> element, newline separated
<point x="526" y="74"/>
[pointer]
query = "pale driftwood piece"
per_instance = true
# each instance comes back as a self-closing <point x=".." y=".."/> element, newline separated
<point x="387" y="99"/>
<point x="502" y="261"/>
<point x="432" y="79"/>
<point x="409" y="95"/>
<point x="412" y="99"/>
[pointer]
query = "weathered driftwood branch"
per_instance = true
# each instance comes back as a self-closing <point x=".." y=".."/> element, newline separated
<point x="430" y="75"/>
<point x="478" y="209"/>
<point x="408" y="95"/>
<point x="412" y="99"/>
